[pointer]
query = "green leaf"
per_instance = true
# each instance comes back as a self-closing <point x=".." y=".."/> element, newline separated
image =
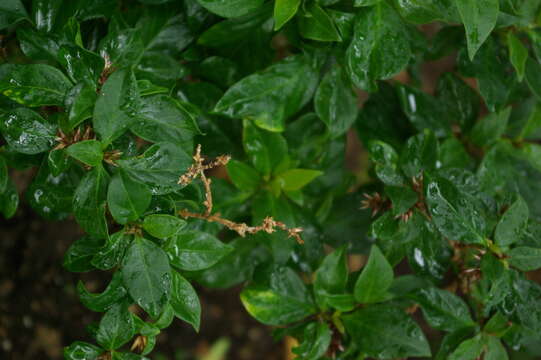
<point x="497" y="325"/>
<point x="423" y="111"/>
<point x="116" y="327"/>
<point x="234" y="268"/>
<point x="89" y="202"/>
<point x="284" y="10"/>
<point x="230" y="8"/>
<point x="110" y="255"/>
<point x="459" y="101"/>
<point x="117" y="105"/>
<point x="162" y="118"/>
<point x="87" y="151"/>
<point x="81" y="64"/>
<point x="495" y="349"/>
<point x="490" y="128"/>
<point x="380" y="48"/>
<point x="402" y="198"/>
<point x="147" y="276"/>
<point x="512" y="223"/>
<point x="26" y="131"/>
<point x="470" y="349"/>
<point x="160" y="167"/>
<point x="479" y="18"/>
<point x="103" y="301"/>
<point x="426" y="11"/>
<point x="296" y="179"/>
<point x="455" y="216"/>
<point x="11" y="11"/>
<point x="266" y="150"/>
<point x="184" y="301"/>
<point x="331" y="276"/>
<point x="127" y="199"/>
<point x="533" y="76"/>
<point x="316" y="24"/>
<point x="525" y="258"/>
<point x="420" y="154"/>
<point x="375" y="279"/>
<point x="35" y="85"/>
<point x="518" y="54"/>
<point x="386" y="163"/>
<point x="316" y="341"/>
<point x="79" y="102"/>
<point x="283" y="300"/>
<point x="335" y="102"/>
<point x="243" y="176"/>
<point x="491" y="69"/>
<point x="163" y="226"/>
<point x="195" y="250"/>
<point x="79" y="255"/>
<point x="81" y="350"/>
<point x="443" y="310"/>
<point x="270" y="97"/>
<point x="386" y="332"/>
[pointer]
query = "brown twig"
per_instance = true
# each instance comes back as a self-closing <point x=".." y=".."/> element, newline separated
<point x="65" y="140"/>
<point x="197" y="169"/>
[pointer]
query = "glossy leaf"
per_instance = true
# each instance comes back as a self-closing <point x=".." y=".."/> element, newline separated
<point x="127" y="199"/>
<point x="87" y="151"/>
<point x="386" y="332"/>
<point x="331" y="276"/>
<point x="89" y="202"/>
<point x="443" y="310"/>
<point x="230" y="8"/>
<point x="269" y="97"/>
<point x="380" y="48"/>
<point x="162" y="118"/>
<point x="525" y="258"/>
<point x="479" y="18"/>
<point x="316" y="24"/>
<point x="79" y="255"/>
<point x="317" y="338"/>
<point x="266" y="150"/>
<point x="194" y="250"/>
<point x="26" y="131"/>
<point x="117" y="105"/>
<point x="80" y="101"/>
<point x="375" y="279"/>
<point x="284" y="300"/>
<point x="82" y="350"/>
<point x="147" y="276"/>
<point x="80" y="64"/>
<point x="160" y="166"/>
<point x="11" y="11"/>
<point x="284" y="10"/>
<point x="4" y="176"/>
<point x="490" y="128"/>
<point x="454" y="216"/>
<point x="103" y="301"/>
<point x="116" y="327"/>
<point x="184" y="301"/>
<point x="243" y="176"/>
<point x="470" y="349"/>
<point x="112" y="252"/>
<point x="335" y="102"/>
<point x="163" y="226"/>
<point x="512" y="223"/>
<point x="296" y="179"/>
<point x="518" y="54"/>
<point x="35" y="85"/>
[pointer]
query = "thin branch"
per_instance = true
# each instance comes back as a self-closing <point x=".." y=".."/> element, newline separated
<point x="197" y="169"/>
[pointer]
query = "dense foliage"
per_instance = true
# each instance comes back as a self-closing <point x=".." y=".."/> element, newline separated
<point x="109" y="100"/>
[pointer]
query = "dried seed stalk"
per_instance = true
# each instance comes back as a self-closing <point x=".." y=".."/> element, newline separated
<point x="197" y="169"/>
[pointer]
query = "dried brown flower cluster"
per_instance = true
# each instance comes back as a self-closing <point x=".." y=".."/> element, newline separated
<point x="197" y="169"/>
<point x="66" y="140"/>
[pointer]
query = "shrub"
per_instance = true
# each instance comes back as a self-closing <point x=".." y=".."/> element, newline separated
<point x="129" y="109"/>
